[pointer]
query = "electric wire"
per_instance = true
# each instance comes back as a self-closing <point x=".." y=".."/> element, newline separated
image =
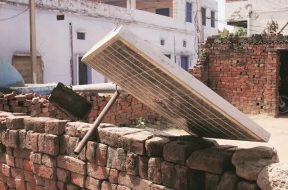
<point x="14" y="16"/>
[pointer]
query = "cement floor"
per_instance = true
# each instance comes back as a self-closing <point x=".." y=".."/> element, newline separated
<point x="278" y="127"/>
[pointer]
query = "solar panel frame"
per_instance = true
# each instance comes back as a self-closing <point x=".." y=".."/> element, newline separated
<point x="110" y="52"/>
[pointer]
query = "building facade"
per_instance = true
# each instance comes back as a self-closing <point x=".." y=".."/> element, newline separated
<point x="257" y="15"/>
<point x="66" y="30"/>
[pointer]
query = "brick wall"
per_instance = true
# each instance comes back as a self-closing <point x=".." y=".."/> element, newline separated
<point x="37" y="153"/>
<point x="244" y="71"/>
<point x="127" y="109"/>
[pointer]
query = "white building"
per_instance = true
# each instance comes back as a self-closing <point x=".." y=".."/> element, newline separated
<point x="68" y="29"/>
<point x="256" y="14"/>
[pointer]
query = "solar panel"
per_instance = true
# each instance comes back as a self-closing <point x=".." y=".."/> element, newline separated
<point x="144" y="72"/>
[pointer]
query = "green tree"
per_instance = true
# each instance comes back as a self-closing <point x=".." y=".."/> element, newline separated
<point x="224" y="33"/>
<point x="241" y="31"/>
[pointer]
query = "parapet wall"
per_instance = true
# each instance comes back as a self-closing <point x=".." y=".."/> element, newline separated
<point x="127" y="109"/>
<point x="37" y="153"/>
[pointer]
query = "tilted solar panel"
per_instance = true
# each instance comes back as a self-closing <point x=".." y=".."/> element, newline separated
<point x="162" y="85"/>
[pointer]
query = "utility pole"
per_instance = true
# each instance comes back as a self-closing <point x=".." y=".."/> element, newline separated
<point x="33" y="51"/>
<point x="200" y="30"/>
<point x="249" y="14"/>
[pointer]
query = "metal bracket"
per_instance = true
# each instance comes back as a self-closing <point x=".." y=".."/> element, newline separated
<point x="96" y="123"/>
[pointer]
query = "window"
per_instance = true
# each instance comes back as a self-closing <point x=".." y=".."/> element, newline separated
<point x="203" y="12"/>
<point x="168" y="55"/>
<point x="185" y="62"/>
<point x="84" y="73"/>
<point x="60" y="17"/>
<point x="188" y="12"/>
<point x="163" y="11"/>
<point x="162" y="42"/>
<point x="212" y="19"/>
<point x="81" y="35"/>
<point x="184" y="43"/>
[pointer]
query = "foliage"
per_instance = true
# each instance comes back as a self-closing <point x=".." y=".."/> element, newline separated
<point x="241" y="32"/>
<point x="225" y="33"/>
<point x="271" y="27"/>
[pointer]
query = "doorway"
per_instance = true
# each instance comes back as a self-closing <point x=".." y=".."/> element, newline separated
<point x="185" y="62"/>
<point x="283" y="82"/>
<point x="84" y="73"/>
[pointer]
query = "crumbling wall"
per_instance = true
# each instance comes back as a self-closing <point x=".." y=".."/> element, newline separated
<point x="244" y="71"/>
<point x="37" y="153"/>
<point x="127" y="109"/>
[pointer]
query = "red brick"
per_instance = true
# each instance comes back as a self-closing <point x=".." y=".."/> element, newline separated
<point x="136" y="142"/>
<point x="77" y="179"/>
<point x="10" y="160"/>
<point x="43" y="171"/>
<point x="13" y="138"/>
<point x="72" y="187"/>
<point x="51" y="144"/>
<point x="36" y="124"/>
<point x="50" y="184"/>
<point x="61" y="185"/>
<point x="154" y="170"/>
<point x="6" y="170"/>
<point x="116" y="158"/>
<point x="113" y="176"/>
<point x="27" y="165"/>
<point x="63" y="175"/>
<point x="71" y="164"/>
<point x="34" y="141"/>
<point x="16" y="122"/>
<point x="98" y="172"/>
<point x="178" y="151"/>
<point x="30" y="186"/>
<point x="133" y="182"/>
<point x="40" y="181"/>
<point x="48" y="161"/>
<point x="92" y="183"/>
<point x="21" y="153"/>
<point x="29" y="142"/>
<point x="113" y="135"/>
<point x="11" y="183"/>
<point x="20" y="184"/>
<point x="22" y="138"/>
<point x="17" y="173"/>
<point x="36" y="158"/>
<point x="96" y="153"/>
<point x="108" y="186"/>
<point x="29" y="177"/>
<point x="132" y="164"/>
<point x="143" y="167"/>
<point x="120" y="187"/>
<point x="55" y="127"/>
<point x="19" y="162"/>
<point x="154" y="146"/>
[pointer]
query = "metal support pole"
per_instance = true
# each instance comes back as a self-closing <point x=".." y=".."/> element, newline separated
<point x="97" y="122"/>
<point x="283" y="28"/>
<point x="33" y="50"/>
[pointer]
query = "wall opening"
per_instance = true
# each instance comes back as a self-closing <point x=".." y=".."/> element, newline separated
<point x="283" y="82"/>
<point x="84" y="73"/>
<point x="22" y="62"/>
